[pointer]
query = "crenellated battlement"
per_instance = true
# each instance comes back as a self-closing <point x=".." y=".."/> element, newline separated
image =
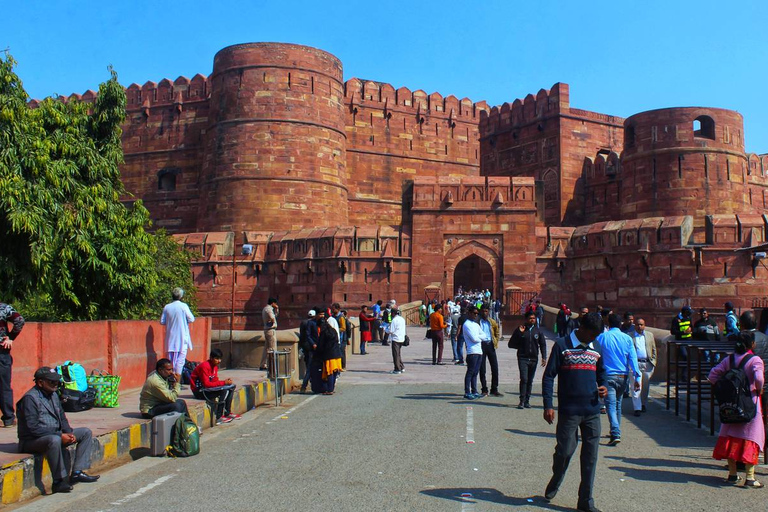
<point x="165" y="92"/>
<point x="384" y="96"/>
<point x="520" y="112"/>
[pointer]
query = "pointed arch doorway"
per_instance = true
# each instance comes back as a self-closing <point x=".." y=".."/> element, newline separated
<point x="472" y="265"/>
<point x="472" y="273"/>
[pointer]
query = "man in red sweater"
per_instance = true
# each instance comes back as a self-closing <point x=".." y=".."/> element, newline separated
<point x="206" y="385"/>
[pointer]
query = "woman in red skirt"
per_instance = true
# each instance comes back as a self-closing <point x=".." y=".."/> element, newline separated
<point x="366" y="323"/>
<point x="742" y="442"/>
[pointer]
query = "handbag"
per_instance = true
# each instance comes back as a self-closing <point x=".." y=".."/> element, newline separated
<point x="406" y="341"/>
<point x="106" y="388"/>
<point x="73" y="400"/>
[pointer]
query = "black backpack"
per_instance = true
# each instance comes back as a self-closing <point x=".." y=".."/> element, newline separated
<point x="73" y="400"/>
<point x="733" y="395"/>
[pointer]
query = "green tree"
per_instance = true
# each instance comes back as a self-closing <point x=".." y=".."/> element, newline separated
<point x="68" y="247"/>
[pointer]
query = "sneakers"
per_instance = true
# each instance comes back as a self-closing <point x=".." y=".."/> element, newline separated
<point x="527" y="405"/>
<point x="614" y="441"/>
<point x="395" y="372"/>
<point x="470" y="396"/>
<point x="402" y="371"/>
<point x="223" y="419"/>
<point x="234" y="416"/>
<point x="480" y="395"/>
<point x="520" y="405"/>
<point x="459" y="363"/>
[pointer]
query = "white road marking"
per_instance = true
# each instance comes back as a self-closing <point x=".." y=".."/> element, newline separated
<point x="289" y="411"/>
<point x="143" y="490"/>
<point x="470" y="426"/>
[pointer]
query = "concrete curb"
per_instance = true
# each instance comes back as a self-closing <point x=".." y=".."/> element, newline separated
<point x="31" y="475"/>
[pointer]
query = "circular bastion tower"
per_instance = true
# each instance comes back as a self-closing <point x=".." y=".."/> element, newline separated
<point x="684" y="161"/>
<point x="275" y="155"/>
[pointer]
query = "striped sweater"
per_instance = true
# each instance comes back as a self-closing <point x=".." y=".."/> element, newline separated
<point x="579" y="371"/>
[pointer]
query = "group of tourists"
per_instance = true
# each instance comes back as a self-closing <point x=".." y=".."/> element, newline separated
<point x="323" y="339"/>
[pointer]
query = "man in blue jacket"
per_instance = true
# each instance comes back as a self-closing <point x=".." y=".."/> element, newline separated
<point x="581" y="382"/>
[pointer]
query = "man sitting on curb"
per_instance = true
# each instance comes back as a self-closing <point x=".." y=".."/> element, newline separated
<point x="206" y="386"/>
<point x="43" y="428"/>
<point x="160" y="393"/>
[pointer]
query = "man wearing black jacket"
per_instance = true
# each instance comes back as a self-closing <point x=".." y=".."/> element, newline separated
<point x="529" y="341"/>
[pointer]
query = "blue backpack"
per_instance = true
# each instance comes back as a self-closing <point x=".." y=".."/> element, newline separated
<point x="73" y="376"/>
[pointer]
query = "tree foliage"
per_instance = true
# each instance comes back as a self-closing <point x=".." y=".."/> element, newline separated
<point x="68" y="247"/>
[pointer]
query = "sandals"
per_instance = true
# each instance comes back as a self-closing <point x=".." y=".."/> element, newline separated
<point x="754" y="484"/>
<point x="734" y="480"/>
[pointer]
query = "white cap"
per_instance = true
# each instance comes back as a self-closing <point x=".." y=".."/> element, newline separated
<point x="311" y="313"/>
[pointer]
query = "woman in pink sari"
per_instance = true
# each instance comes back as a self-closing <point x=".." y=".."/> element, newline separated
<point x="742" y="442"/>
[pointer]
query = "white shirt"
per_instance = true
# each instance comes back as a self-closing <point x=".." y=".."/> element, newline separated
<point x="397" y="329"/>
<point x="176" y="318"/>
<point x="642" y="353"/>
<point x="473" y="336"/>
<point x="333" y="323"/>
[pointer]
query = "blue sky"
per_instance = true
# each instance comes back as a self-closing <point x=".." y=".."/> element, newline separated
<point x="619" y="57"/>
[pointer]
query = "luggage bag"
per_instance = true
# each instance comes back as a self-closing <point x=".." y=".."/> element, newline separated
<point x="161" y="432"/>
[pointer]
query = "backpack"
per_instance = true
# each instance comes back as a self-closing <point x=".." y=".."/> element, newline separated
<point x="733" y="395"/>
<point x="73" y="376"/>
<point x="185" y="438"/>
<point x="186" y="372"/>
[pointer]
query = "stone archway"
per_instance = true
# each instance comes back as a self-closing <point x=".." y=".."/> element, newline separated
<point x="486" y="261"/>
<point x="472" y="273"/>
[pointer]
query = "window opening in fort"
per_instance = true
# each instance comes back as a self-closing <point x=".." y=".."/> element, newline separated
<point x="629" y="136"/>
<point x="473" y="273"/>
<point x="704" y="127"/>
<point x="166" y="180"/>
<point x="680" y="166"/>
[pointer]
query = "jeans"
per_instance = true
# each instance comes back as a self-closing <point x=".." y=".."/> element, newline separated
<point x="527" y="369"/>
<point x="6" y="392"/>
<point x="308" y="364"/>
<point x="454" y="345"/>
<point x="489" y="353"/>
<point x="617" y="385"/>
<point x="58" y="455"/>
<point x="460" y="349"/>
<point x="567" y="427"/>
<point x="470" y="378"/>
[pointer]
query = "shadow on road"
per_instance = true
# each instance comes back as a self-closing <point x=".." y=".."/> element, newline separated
<point x="550" y="435"/>
<point x="711" y="464"/>
<point x="661" y="475"/>
<point x="431" y="396"/>
<point x="492" y="496"/>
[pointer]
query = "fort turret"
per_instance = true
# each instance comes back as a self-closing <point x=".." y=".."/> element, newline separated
<point x="275" y="151"/>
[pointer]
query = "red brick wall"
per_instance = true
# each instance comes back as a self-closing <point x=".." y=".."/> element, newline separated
<point x="126" y="348"/>
<point x="396" y="135"/>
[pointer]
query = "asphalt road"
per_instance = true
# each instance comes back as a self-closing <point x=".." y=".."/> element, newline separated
<point x="395" y="446"/>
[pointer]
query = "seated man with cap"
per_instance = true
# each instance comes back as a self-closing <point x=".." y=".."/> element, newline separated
<point x="43" y="428"/>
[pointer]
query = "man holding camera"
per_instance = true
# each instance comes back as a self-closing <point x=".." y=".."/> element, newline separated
<point x="160" y="393"/>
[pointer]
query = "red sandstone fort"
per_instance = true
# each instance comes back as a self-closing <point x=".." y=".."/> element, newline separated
<point x="292" y="183"/>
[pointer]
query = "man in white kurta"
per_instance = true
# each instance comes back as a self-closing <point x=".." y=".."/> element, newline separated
<point x="176" y="318"/>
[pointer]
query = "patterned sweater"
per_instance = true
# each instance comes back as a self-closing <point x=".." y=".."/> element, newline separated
<point x="579" y="371"/>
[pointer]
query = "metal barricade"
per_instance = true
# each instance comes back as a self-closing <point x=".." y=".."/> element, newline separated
<point x="279" y="360"/>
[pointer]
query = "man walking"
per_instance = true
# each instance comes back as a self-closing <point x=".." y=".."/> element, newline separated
<point x="645" y="345"/>
<point x="308" y="342"/>
<point x="581" y="380"/>
<point x="397" y="337"/>
<point x="176" y="318"/>
<point x="619" y="359"/>
<point x="269" y="318"/>
<point x="8" y="315"/>
<point x="474" y="337"/>
<point x="437" y="326"/>
<point x="491" y="332"/>
<point x="539" y="310"/>
<point x="529" y="341"/>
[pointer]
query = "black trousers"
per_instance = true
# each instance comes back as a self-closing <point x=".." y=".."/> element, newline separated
<point x="58" y="455"/>
<point x="397" y="359"/>
<point x="6" y="392"/>
<point x="527" y="369"/>
<point x="225" y="397"/>
<point x="567" y="427"/>
<point x="177" y="406"/>
<point x="489" y="354"/>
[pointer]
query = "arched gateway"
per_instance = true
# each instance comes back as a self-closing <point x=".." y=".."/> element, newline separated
<point x="471" y="265"/>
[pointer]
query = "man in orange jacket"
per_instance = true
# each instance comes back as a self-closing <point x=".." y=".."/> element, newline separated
<point x="437" y="326"/>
